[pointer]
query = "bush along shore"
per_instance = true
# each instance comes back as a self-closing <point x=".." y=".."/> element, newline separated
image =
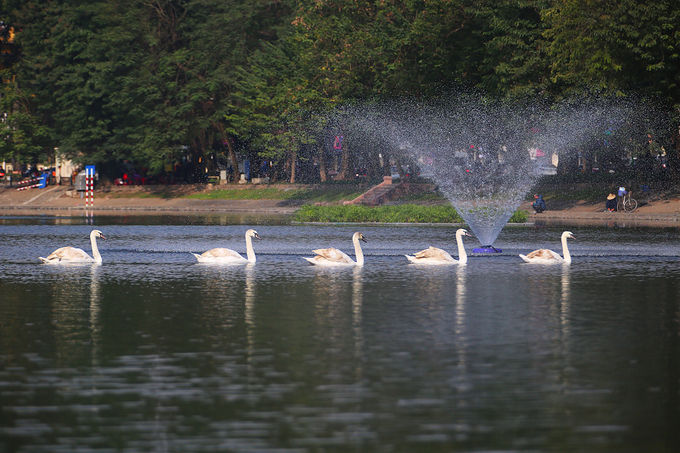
<point x="405" y="213"/>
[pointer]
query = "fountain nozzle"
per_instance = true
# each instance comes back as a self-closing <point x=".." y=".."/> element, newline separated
<point x="487" y="249"/>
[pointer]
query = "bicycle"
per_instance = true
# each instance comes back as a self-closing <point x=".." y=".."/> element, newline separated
<point x="627" y="203"/>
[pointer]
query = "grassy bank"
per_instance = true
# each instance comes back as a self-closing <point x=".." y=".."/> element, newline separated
<point x="310" y="194"/>
<point x="272" y="193"/>
<point x="405" y="213"/>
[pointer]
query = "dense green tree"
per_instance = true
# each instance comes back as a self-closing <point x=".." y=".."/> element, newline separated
<point x="512" y="57"/>
<point x="149" y="81"/>
<point x="273" y="107"/>
<point x="622" y="48"/>
<point x="190" y="52"/>
<point x="68" y="74"/>
<point x="615" y="46"/>
<point x="138" y="80"/>
<point x="24" y="137"/>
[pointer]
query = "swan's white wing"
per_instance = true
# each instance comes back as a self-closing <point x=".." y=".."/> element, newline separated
<point x="220" y="253"/>
<point x="542" y="256"/>
<point x="332" y="254"/>
<point x="67" y="254"/>
<point x="434" y="253"/>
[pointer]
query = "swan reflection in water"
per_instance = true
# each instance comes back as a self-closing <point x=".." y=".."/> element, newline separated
<point x="357" y="307"/>
<point x="339" y="297"/>
<point x="459" y="329"/>
<point x="565" y="297"/>
<point x="95" y="310"/>
<point x="249" y="312"/>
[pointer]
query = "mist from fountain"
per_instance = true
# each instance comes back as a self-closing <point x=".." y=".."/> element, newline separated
<point x="485" y="155"/>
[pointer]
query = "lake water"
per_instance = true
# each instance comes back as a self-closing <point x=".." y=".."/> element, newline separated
<point x="152" y="352"/>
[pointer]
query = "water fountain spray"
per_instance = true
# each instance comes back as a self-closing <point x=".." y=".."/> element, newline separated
<point x="486" y="155"/>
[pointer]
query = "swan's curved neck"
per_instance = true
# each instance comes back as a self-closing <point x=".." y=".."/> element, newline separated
<point x="250" y="253"/>
<point x="358" y="252"/>
<point x="95" y="250"/>
<point x="462" y="256"/>
<point x="565" y="250"/>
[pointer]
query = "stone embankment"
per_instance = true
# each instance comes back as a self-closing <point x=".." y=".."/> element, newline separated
<point x="64" y="200"/>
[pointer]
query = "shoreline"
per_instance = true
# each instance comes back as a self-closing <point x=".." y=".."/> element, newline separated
<point x="660" y="213"/>
<point x="59" y="201"/>
<point x="145" y="210"/>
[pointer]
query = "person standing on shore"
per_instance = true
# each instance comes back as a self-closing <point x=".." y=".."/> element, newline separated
<point x="622" y="193"/>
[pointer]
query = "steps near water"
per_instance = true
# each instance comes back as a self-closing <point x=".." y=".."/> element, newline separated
<point x="388" y="190"/>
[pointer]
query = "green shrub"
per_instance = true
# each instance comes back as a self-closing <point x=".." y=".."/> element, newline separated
<point x="406" y="213"/>
<point x="519" y="216"/>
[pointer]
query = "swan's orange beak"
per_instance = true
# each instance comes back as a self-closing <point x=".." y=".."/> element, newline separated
<point x="257" y="236"/>
<point x="102" y="236"/>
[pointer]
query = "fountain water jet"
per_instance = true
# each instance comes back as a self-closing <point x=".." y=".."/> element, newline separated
<point x="486" y="155"/>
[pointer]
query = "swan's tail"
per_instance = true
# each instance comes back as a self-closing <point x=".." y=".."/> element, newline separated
<point x="410" y="258"/>
<point x="44" y="260"/>
<point x="198" y="257"/>
<point x="311" y="260"/>
<point x="525" y="258"/>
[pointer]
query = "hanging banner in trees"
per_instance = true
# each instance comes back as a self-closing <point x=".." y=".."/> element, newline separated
<point x="337" y="144"/>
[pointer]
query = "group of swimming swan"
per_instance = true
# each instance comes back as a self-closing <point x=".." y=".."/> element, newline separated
<point x="324" y="257"/>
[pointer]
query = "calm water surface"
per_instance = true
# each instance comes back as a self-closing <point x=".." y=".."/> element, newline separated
<point x="152" y="352"/>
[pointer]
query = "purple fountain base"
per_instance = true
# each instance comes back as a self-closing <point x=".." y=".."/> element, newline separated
<point x="487" y="249"/>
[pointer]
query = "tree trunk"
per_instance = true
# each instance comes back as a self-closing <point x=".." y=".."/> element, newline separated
<point x="322" y="166"/>
<point x="344" y="168"/>
<point x="233" y="159"/>
<point x="293" y="159"/>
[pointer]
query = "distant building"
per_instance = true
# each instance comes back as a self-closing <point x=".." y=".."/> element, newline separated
<point x="64" y="168"/>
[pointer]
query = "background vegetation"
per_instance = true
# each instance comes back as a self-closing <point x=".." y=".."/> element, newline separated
<point x="151" y="83"/>
<point x="403" y="213"/>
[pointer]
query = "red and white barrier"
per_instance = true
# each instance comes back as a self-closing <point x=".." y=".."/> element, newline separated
<point x="32" y="186"/>
<point x="31" y="183"/>
<point x="89" y="186"/>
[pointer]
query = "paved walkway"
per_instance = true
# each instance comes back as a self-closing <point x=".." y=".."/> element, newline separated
<point x="663" y="213"/>
<point x="63" y="200"/>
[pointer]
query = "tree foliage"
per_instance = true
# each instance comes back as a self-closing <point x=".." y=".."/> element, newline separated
<point x="154" y="81"/>
<point x="615" y="46"/>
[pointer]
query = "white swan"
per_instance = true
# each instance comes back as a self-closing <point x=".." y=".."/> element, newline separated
<point x="434" y="255"/>
<point x="229" y="256"/>
<point x="334" y="257"/>
<point x="71" y="255"/>
<point x="545" y="256"/>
